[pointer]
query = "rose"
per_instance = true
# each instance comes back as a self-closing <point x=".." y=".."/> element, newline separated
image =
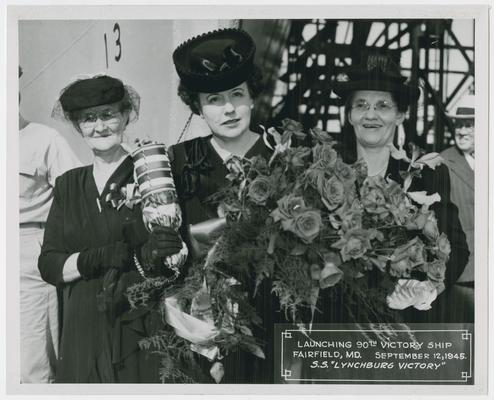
<point x="344" y="172"/>
<point x="353" y="244"/>
<point x="332" y="193"/>
<point x="305" y="225"/>
<point x="373" y="195"/>
<point x="418" y="220"/>
<point x="295" y="156"/>
<point x="289" y="125"/>
<point x="352" y="219"/>
<point x="324" y="156"/>
<point x="443" y="246"/>
<point x="321" y="136"/>
<point x="430" y="229"/>
<point x="259" y="164"/>
<point x="436" y="270"/>
<point x="259" y="190"/>
<point x="360" y="168"/>
<point x="315" y="177"/>
<point x="401" y="268"/>
<point x="288" y="207"/>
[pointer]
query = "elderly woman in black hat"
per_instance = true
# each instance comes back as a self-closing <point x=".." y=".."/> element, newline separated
<point x="219" y="82"/>
<point x="88" y="245"/>
<point x="376" y="101"/>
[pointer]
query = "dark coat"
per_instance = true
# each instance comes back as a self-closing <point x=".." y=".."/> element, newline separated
<point x="463" y="195"/>
<point x="448" y="307"/>
<point x="200" y="172"/>
<point x="96" y="346"/>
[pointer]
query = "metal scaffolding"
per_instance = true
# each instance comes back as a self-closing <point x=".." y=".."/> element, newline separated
<point x="314" y="52"/>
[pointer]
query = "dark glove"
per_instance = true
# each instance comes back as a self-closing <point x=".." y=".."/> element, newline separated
<point x="92" y="263"/>
<point x="162" y="242"/>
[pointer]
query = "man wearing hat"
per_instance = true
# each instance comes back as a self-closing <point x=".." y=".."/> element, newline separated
<point x="460" y="161"/>
<point x="43" y="155"/>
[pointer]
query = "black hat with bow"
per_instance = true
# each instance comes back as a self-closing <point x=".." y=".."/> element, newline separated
<point x="376" y="72"/>
<point x="215" y="61"/>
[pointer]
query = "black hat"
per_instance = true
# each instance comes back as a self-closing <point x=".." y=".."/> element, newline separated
<point x="215" y="61"/>
<point x="92" y="92"/>
<point x="377" y="72"/>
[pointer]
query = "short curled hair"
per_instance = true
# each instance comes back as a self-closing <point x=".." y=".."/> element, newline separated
<point x="254" y="82"/>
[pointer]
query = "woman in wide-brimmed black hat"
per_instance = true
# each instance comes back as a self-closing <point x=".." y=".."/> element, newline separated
<point x="89" y="244"/>
<point x="376" y="99"/>
<point x="219" y="82"/>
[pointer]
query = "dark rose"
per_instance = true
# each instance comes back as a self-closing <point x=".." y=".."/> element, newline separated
<point x="259" y="164"/>
<point x="344" y="172"/>
<point x="321" y="136"/>
<point x="288" y="207"/>
<point x="401" y="268"/>
<point x="443" y="246"/>
<point x="436" y="270"/>
<point x="353" y="244"/>
<point x="407" y="257"/>
<point x="296" y="156"/>
<point x="430" y="228"/>
<point x="373" y="195"/>
<point x="360" y="168"/>
<point x="289" y="125"/>
<point x="332" y="193"/>
<point x="259" y="190"/>
<point x="324" y="156"/>
<point x="305" y="225"/>
<point x="352" y="219"/>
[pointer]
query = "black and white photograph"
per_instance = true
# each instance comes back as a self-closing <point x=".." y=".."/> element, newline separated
<point x="208" y="196"/>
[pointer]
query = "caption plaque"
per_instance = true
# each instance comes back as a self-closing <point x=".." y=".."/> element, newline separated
<point x="374" y="353"/>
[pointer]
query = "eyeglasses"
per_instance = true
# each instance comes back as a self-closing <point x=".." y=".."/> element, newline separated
<point x="381" y="107"/>
<point x="107" y="116"/>
<point x="467" y="125"/>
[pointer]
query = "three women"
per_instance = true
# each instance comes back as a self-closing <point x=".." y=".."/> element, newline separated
<point x="88" y="244"/>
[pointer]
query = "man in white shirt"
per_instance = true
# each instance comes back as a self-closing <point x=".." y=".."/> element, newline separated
<point x="43" y="155"/>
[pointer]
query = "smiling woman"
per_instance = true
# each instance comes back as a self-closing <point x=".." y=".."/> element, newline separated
<point x="376" y="101"/>
<point x="89" y="245"/>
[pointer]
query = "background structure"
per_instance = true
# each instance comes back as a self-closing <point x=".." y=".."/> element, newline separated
<point x="300" y="60"/>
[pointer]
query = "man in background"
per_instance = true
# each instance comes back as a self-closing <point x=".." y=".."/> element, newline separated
<point x="43" y="155"/>
<point x="460" y="160"/>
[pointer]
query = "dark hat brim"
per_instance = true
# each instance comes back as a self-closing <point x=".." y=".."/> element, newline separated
<point x="405" y="92"/>
<point x="186" y="56"/>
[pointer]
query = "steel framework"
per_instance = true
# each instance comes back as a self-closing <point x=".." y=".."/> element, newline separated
<point x="316" y="51"/>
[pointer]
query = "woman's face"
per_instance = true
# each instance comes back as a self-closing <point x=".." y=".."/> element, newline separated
<point x="374" y="116"/>
<point x="102" y="127"/>
<point x="227" y="113"/>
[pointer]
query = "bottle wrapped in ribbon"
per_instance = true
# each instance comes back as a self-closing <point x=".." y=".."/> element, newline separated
<point x="153" y="176"/>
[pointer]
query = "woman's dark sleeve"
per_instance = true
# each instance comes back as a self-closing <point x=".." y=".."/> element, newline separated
<point x="449" y="223"/>
<point x="53" y="254"/>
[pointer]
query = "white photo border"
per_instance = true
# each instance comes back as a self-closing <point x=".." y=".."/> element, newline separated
<point x="477" y="12"/>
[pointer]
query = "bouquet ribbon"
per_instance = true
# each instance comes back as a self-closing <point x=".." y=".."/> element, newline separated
<point x="192" y="329"/>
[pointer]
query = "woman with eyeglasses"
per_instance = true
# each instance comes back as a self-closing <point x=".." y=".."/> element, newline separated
<point x="89" y="244"/>
<point x="376" y="101"/>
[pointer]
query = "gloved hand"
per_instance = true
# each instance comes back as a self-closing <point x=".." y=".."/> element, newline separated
<point x="94" y="262"/>
<point x="162" y="242"/>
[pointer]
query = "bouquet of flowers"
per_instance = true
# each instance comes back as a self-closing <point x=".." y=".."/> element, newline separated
<point x="305" y="221"/>
<point x="309" y="221"/>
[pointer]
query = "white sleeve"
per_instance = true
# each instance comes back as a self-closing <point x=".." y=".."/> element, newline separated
<point x="60" y="158"/>
<point x="70" y="271"/>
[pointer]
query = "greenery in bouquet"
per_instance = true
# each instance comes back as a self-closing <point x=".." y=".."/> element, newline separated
<point x="302" y="222"/>
<point x="308" y="221"/>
